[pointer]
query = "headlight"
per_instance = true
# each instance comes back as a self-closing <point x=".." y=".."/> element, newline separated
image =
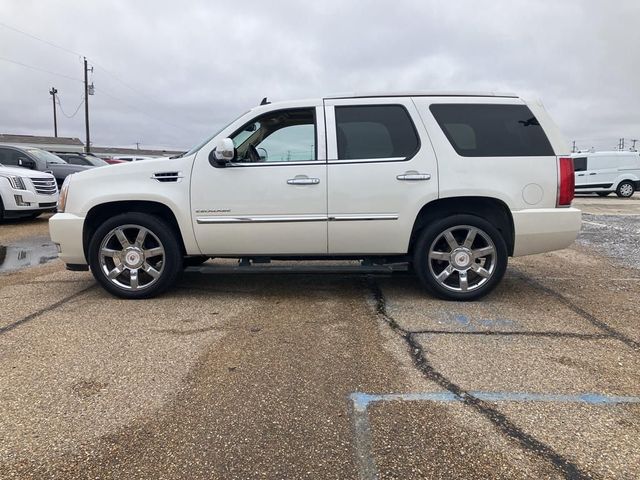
<point x="64" y="191"/>
<point x="16" y="182"/>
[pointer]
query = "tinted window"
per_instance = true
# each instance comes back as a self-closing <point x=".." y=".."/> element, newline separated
<point x="75" y="160"/>
<point x="6" y="157"/>
<point x="481" y="130"/>
<point x="580" y="164"/>
<point x="375" y="131"/>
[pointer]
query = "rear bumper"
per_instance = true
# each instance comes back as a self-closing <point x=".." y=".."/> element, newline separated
<point x="545" y="229"/>
<point x="66" y="231"/>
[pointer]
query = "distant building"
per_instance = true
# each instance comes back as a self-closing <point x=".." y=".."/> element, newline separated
<point x="52" y="144"/>
<point x="71" y="145"/>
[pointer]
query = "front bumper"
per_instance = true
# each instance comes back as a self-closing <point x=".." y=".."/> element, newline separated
<point x="66" y="231"/>
<point x="545" y="229"/>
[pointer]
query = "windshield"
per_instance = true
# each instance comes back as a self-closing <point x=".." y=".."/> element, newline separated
<point x="45" y="156"/>
<point x="202" y="144"/>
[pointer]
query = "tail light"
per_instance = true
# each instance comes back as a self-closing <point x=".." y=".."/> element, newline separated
<point x="566" y="182"/>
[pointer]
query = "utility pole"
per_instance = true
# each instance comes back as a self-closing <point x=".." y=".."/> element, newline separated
<point x="88" y="90"/>
<point x="137" y="145"/>
<point x="573" y="149"/>
<point x="633" y="147"/>
<point x="53" y="92"/>
<point x="621" y="144"/>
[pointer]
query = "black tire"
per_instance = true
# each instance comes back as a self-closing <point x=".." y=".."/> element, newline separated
<point x="33" y="216"/>
<point x="164" y="268"/>
<point x="478" y="279"/>
<point x="602" y="194"/>
<point x="625" y="189"/>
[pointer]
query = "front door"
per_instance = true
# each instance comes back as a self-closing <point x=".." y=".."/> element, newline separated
<point x="272" y="199"/>
<point x="382" y="170"/>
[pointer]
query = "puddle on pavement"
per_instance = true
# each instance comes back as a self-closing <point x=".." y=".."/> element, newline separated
<point x="27" y="253"/>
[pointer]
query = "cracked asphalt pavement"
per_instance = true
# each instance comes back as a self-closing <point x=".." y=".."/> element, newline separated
<point x="236" y="376"/>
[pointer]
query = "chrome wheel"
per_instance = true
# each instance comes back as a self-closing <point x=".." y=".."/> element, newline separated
<point x="131" y="257"/>
<point x="462" y="258"/>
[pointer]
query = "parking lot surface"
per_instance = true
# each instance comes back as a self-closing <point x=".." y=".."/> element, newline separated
<point x="327" y="375"/>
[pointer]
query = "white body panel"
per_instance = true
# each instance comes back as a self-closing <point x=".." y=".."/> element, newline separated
<point x="355" y="208"/>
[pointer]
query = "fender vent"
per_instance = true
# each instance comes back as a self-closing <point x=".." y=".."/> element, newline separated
<point x="167" y="176"/>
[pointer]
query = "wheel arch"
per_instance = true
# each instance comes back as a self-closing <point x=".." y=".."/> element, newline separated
<point x="99" y="213"/>
<point x="493" y="210"/>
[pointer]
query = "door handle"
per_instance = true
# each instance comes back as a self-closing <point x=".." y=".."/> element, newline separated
<point x="581" y="174"/>
<point x="593" y="173"/>
<point x="413" y="176"/>
<point x="303" y="180"/>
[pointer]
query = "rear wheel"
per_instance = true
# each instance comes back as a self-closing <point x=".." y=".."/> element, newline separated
<point x="625" y="189"/>
<point x="135" y="255"/>
<point x="462" y="257"/>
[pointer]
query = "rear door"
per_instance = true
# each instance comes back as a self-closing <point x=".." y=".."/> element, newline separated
<point x="381" y="171"/>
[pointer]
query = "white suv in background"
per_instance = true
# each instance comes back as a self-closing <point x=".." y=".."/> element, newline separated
<point x="26" y="193"/>
<point x="607" y="172"/>
<point x="452" y="184"/>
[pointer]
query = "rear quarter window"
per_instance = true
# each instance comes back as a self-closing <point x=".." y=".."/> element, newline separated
<point x="488" y="130"/>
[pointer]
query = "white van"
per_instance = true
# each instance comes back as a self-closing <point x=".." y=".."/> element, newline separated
<point x="606" y="172"/>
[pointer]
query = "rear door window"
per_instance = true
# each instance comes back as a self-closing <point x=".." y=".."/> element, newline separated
<point x="375" y="132"/>
<point x="488" y="130"/>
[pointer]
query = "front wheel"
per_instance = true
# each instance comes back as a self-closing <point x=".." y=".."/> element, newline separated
<point x="625" y="189"/>
<point x="462" y="257"/>
<point x="135" y="255"/>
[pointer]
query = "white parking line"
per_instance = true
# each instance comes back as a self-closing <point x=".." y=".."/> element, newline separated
<point x="367" y="468"/>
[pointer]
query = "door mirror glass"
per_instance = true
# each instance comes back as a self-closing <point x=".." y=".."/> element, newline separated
<point x="224" y="152"/>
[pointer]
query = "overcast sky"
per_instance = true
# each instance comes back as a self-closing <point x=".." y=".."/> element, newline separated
<point x="169" y="73"/>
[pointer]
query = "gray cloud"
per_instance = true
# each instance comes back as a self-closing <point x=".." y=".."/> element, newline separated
<point x="194" y="65"/>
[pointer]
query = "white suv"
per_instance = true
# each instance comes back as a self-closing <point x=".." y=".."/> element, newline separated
<point x="26" y="193"/>
<point x="452" y="184"/>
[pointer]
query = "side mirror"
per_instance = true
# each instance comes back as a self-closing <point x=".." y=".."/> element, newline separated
<point x="224" y="153"/>
<point x="26" y="163"/>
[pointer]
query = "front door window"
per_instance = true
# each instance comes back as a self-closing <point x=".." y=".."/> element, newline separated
<point x="280" y="136"/>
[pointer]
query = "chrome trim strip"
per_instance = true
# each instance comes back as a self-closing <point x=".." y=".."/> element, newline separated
<point x="274" y="164"/>
<point x="263" y="219"/>
<point x="369" y="160"/>
<point x="363" y="218"/>
<point x="295" y="218"/>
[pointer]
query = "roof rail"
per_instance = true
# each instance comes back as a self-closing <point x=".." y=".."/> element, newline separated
<point x="421" y="94"/>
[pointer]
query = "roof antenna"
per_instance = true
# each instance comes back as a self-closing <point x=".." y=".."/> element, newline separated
<point x="265" y="101"/>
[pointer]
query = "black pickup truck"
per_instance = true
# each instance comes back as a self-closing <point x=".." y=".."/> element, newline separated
<point x="37" y="159"/>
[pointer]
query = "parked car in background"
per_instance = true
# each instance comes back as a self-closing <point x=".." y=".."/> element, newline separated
<point x="607" y="172"/>
<point x="37" y="159"/>
<point x="113" y="161"/>
<point x="26" y="193"/>
<point x="451" y="184"/>
<point x="85" y="159"/>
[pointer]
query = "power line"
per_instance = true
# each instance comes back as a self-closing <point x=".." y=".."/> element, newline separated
<point x="51" y="44"/>
<point x="40" y="69"/>
<point x="74" y="113"/>
<point x="104" y="92"/>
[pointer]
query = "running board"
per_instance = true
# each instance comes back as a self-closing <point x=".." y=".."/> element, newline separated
<point x="212" y="268"/>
